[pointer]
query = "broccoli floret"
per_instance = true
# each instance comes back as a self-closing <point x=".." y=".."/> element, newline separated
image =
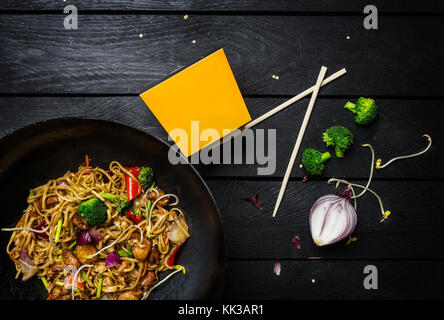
<point x="121" y="202"/>
<point x="339" y="137"/>
<point x="94" y="211"/>
<point x="313" y="161"/>
<point x="146" y="178"/>
<point x="365" y="110"/>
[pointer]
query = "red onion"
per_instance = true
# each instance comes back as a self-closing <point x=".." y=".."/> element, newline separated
<point x="277" y="268"/>
<point x="176" y="234"/>
<point x="113" y="259"/>
<point x="332" y="219"/>
<point x="27" y="265"/>
<point x="95" y="235"/>
<point x="83" y="238"/>
<point x="42" y="226"/>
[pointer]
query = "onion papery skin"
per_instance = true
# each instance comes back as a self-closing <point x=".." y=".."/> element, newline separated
<point x="332" y="219"/>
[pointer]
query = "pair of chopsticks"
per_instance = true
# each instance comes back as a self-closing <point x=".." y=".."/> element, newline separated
<point x="314" y="91"/>
<point x="275" y="110"/>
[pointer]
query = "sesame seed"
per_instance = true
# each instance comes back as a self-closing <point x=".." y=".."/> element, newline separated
<point x="194" y="41"/>
<point x="141" y="35"/>
<point x="185" y="17"/>
<point x="347" y="37"/>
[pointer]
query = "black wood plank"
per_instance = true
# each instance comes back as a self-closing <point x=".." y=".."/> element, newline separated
<point x="231" y="5"/>
<point x="106" y="54"/>
<point x="334" y="280"/>
<point x="396" y="132"/>
<point x="413" y="230"/>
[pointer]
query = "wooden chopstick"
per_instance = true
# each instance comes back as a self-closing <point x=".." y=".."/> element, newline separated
<point x="275" y="110"/>
<point x="293" y="100"/>
<point x="299" y="139"/>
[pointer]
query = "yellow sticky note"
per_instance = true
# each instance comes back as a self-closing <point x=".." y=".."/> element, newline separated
<point x="202" y="97"/>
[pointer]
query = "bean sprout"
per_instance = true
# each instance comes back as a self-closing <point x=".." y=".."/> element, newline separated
<point x="378" y="162"/>
<point x="385" y="214"/>
<point x="147" y="293"/>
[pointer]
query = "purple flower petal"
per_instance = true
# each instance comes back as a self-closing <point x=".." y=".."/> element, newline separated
<point x="254" y="201"/>
<point x="296" y="242"/>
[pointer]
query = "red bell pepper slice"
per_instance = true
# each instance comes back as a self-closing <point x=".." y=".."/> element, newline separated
<point x="170" y="261"/>
<point x="133" y="188"/>
<point x="69" y="282"/>
<point x="135" y="219"/>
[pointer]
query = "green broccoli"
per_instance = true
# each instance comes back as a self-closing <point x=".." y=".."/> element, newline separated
<point x="121" y="202"/>
<point x="339" y="137"/>
<point x="365" y="110"/>
<point x="146" y="178"/>
<point x="313" y="161"/>
<point x="125" y="252"/>
<point x="93" y="210"/>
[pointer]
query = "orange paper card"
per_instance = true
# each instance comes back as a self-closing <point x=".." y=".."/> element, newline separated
<point x="201" y="97"/>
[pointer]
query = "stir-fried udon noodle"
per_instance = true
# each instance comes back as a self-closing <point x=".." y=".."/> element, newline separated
<point x="99" y="234"/>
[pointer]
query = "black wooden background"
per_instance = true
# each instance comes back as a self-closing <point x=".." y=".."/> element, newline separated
<point x="99" y="70"/>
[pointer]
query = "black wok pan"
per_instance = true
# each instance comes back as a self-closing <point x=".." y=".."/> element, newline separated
<point x="31" y="156"/>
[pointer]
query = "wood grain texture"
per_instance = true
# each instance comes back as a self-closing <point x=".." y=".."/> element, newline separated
<point x="106" y="55"/>
<point x="397" y="131"/>
<point x="413" y="230"/>
<point x="334" y="280"/>
<point x="231" y="5"/>
<point x="97" y="71"/>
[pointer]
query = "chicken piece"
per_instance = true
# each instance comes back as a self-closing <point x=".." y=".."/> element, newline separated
<point x="130" y="295"/>
<point x="148" y="280"/>
<point x="49" y="201"/>
<point x="139" y="201"/>
<point x="80" y="222"/>
<point x="153" y="196"/>
<point x="58" y="293"/>
<point x="56" y="268"/>
<point x="154" y="257"/>
<point x="70" y="259"/>
<point x="133" y="275"/>
<point x="139" y="250"/>
<point x="84" y="251"/>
